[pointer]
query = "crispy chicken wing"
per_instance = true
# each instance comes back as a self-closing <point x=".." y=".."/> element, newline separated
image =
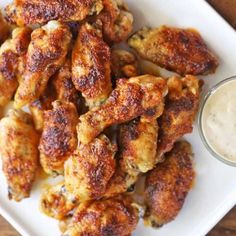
<point x="89" y="169"/>
<point x="115" y="216"/>
<point x="25" y="12"/>
<point x="58" y="140"/>
<point x="117" y="21"/>
<point x="18" y="149"/>
<point x="168" y="185"/>
<point x="91" y="65"/>
<point x="10" y="52"/>
<point x="124" y="64"/>
<point x="56" y="202"/>
<point x="4" y="29"/>
<point x="137" y="96"/>
<point x="46" y="54"/>
<point x="180" y="50"/>
<point x="181" y="106"/>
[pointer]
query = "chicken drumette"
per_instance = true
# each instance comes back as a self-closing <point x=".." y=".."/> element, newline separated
<point x="4" y="29"/>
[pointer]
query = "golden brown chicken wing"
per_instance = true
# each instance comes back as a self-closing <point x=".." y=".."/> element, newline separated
<point x="181" y="106"/>
<point x="56" y="202"/>
<point x="58" y="140"/>
<point x="124" y="64"/>
<point x="117" y="21"/>
<point x="138" y="145"/>
<point x="91" y="65"/>
<point x="25" y="12"/>
<point x="180" y="50"/>
<point x="4" y="29"/>
<point x="115" y="216"/>
<point x="10" y="53"/>
<point x="18" y="149"/>
<point x="89" y="169"/>
<point x="137" y="96"/>
<point x="168" y="185"/>
<point x="46" y="54"/>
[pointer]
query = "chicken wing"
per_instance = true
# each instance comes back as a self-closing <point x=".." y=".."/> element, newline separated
<point x="18" y="149"/>
<point x="117" y="21"/>
<point x="124" y="64"/>
<point x="137" y="96"/>
<point x="89" y="169"/>
<point x="91" y="65"/>
<point x="180" y="50"/>
<point x="45" y="55"/>
<point x="55" y="202"/>
<point x="115" y="216"/>
<point x="58" y="140"/>
<point x="10" y="52"/>
<point x="4" y="29"/>
<point x="25" y="12"/>
<point x="168" y="185"/>
<point x="181" y="106"/>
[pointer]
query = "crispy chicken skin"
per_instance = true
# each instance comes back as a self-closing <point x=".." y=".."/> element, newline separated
<point x="55" y="202"/>
<point x="91" y="72"/>
<point x="59" y="139"/>
<point x="117" y="21"/>
<point x="46" y="54"/>
<point x="137" y="96"/>
<point x="168" y="184"/>
<point x="124" y="64"/>
<point x="138" y="145"/>
<point x="10" y="52"/>
<point x="181" y="106"/>
<point x="89" y="169"/>
<point x="18" y="149"/>
<point x="25" y="12"/>
<point x="4" y="29"/>
<point x="180" y="50"/>
<point x="115" y="216"/>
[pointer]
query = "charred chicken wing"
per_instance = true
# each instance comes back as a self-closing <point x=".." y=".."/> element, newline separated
<point x="4" y="30"/>
<point x="91" y="65"/>
<point x="25" y="12"/>
<point x="168" y="185"/>
<point x="46" y="54"/>
<point x="180" y="50"/>
<point x="58" y="140"/>
<point x="137" y="96"/>
<point x="19" y="153"/>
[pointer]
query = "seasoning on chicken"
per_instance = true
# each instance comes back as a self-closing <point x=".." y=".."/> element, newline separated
<point x="27" y="12"/>
<point x="89" y="169"/>
<point x="180" y="50"/>
<point x="58" y="140"/>
<point x="19" y="153"/>
<point x="168" y="184"/>
<point x="46" y="54"/>
<point x="10" y="53"/>
<point x="91" y="65"/>
<point x="137" y="96"/>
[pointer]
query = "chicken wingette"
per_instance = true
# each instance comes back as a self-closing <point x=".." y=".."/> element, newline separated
<point x="180" y="50"/>
<point x="91" y="70"/>
<point x="58" y="140"/>
<point x="4" y="30"/>
<point x="26" y="12"/>
<point x="181" y="106"/>
<point x="115" y="216"/>
<point x="19" y="153"/>
<point x="168" y="184"/>
<point x="10" y="53"/>
<point x="117" y="21"/>
<point x="46" y="54"/>
<point x="137" y="96"/>
<point x="89" y="169"/>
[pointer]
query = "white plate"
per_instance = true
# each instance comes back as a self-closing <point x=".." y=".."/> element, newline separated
<point x="214" y="192"/>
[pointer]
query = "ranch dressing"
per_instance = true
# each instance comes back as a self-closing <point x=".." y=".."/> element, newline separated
<point x="219" y="121"/>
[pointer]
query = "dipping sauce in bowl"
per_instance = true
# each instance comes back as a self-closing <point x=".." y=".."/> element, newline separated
<point x="217" y="121"/>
